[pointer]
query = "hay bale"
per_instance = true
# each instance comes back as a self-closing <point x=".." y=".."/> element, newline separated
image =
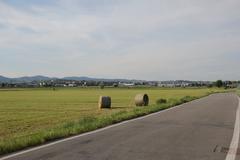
<point x="104" y="102"/>
<point x="141" y="100"/>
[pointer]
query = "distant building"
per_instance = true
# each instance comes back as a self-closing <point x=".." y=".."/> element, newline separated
<point x="126" y="84"/>
<point x="72" y="85"/>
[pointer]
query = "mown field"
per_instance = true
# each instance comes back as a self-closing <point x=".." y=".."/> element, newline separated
<point x="33" y="116"/>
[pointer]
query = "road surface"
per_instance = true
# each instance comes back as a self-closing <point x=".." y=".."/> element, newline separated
<point x="199" y="130"/>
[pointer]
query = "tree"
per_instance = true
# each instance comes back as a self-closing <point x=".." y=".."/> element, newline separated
<point x="101" y="85"/>
<point x="2" y="85"/>
<point x="219" y="83"/>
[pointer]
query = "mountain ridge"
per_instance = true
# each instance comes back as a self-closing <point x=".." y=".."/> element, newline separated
<point x="4" y="79"/>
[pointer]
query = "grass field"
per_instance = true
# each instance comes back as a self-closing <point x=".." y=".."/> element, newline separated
<point x="32" y="116"/>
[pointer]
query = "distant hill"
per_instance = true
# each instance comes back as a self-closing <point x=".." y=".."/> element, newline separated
<point x="33" y="78"/>
<point x="45" y="78"/>
<point x="24" y="79"/>
<point x="97" y="79"/>
<point x="78" y="78"/>
<point x="4" y="79"/>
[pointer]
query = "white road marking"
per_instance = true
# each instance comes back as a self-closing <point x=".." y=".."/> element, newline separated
<point x="235" y="139"/>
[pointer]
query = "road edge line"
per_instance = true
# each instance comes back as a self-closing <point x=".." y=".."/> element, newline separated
<point x="232" y="152"/>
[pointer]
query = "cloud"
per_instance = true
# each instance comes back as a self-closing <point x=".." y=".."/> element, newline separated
<point x="155" y="39"/>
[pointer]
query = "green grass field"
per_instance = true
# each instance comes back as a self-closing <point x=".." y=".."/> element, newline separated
<point x="32" y="116"/>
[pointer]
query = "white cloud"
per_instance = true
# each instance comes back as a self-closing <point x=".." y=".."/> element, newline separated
<point x="155" y="39"/>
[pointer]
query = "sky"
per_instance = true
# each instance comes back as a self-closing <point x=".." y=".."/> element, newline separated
<point x="134" y="39"/>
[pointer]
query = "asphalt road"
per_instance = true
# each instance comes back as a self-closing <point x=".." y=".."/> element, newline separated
<point x="199" y="130"/>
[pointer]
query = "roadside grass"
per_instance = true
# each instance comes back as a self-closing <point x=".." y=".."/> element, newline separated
<point x="33" y="117"/>
<point x="238" y="92"/>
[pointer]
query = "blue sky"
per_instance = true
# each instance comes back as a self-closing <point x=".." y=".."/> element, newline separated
<point x="140" y="39"/>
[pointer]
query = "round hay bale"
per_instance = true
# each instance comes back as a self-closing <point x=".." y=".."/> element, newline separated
<point x="104" y="102"/>
<point x="141" y="100"/>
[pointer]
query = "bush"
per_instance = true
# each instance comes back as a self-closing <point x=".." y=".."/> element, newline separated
<point x="161" y="101"/>
<point x="187" y="99"/>
<point x="174" y="102"/>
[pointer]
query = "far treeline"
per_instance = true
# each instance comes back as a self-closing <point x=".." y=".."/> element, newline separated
<point x="128" y="84"/>
<point x="226" y="84"/>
